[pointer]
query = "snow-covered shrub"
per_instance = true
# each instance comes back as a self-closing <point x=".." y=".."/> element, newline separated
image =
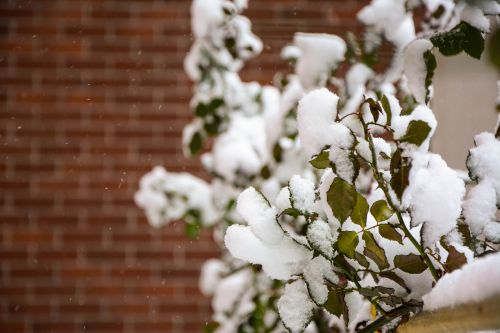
<point x="330" y="210"/>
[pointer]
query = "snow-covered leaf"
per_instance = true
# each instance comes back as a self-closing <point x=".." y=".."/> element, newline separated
<point x="463" y="37"/>
<point x="321" y="161"/>
<point x="295" y="307"/>
<point x="417" y="132"/>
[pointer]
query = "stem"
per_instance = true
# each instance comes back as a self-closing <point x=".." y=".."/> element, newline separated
<point x="383" y="186"/>
<point x="355" y="280"/>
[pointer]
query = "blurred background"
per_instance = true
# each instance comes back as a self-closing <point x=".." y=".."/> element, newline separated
<point x="93" y="95"/>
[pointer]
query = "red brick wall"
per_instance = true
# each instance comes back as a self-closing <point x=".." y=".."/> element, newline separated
<point x="92" y="96"/>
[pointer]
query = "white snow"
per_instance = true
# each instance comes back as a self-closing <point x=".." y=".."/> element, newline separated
<point x="205" y="16"/>
<point x="320" y="237"/>
<point x="479" y="207"/>
<point x="187" y="192"/>
<point x="389" y="17"/>
<point x="261" y="217"/>
<point x="415" y="68"/>
<point x="302" y="194"/>
<point x="241" y="149"/>
<point x="436" y="196"/>
<point x="320" y="54"/>
<point x="473" y="282"/>
<point x="290" y="52"/>
<point x="315" y="273"/>
<point x="316" y="115"/>
<point x="295" y="307"/>
<point x="211" y="273"/>
<point x="279" y="261"/>
<point x="484" y="160"/>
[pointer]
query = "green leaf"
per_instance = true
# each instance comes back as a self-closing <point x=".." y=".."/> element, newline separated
<point x="360" y="211"/>
<point x="387" y="108"/>
<point x="494" y="48"/>
<point x="292" y="212"/>
<point x="455" y="259"/>
<point x="347" y="242"/>
<point x="381" y="210"/>
<point x="391" y="300"/>
<point x="210" y="327"/>
<point x="396" y="278"/>
<point x="192" y="230"/>
<point x="463" y="37"/>
<point x="374" y="251"/>
<point x="335" y="303"/>
<point x="430" y="65"/>
<point x="368" y="292"/>
<point x="384" y="290"/>
<point x="196" y="143"/>
<point x="410" y="263"/>
<point x="321" y="161"/>
<point x="389" y="232"/>
<point x="400" y="172"/>
<point x="375" y="108"/>
<point x="417" y="132"/>
<point x="361" y="259"/>
<point x="341" y="198"/>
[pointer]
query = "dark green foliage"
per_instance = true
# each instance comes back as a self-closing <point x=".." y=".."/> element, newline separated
<point x="196" y="143"/>
<point x="417" y="132"/>
<point x="463" y="37"/>
<point x="430" y="65"/>
<point x="400" y="172"/>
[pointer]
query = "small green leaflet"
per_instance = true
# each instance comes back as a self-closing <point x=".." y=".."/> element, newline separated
<point x="196" y="143"/>
<point x="347" y="242"/>
<point x="410" y="263"/>
<point x="341" y="198"/>
<point x="381" y="210"/>
<point x="375" y="108"/>
<point x="463" y="37"/>
<point x="321" y="161"/>
<point x="389" y="232"/>
<point x="417" y="132"/>
<point x="387" y="108"/>
<point x="360" y="211"/>
<point x="361" y="259"/>
<point x="374" y="251"/>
